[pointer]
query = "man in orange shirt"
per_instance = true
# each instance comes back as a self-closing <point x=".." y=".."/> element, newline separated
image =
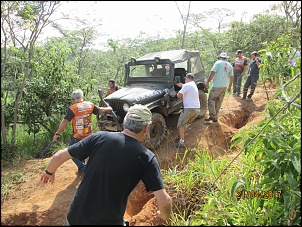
<point x="239" y="67"/>
<point x="80" y="115"/>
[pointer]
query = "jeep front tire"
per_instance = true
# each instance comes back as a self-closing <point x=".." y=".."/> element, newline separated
<point x="156" y="132"/>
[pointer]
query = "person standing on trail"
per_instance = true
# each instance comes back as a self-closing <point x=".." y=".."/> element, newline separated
<point x="118" y="161"/>
<point x="252" y="77"/>
<point x="80" y="115"/>
<point x="189" y="94"/>
<point x="239" y="65"/>
<point x="222" y="75"/>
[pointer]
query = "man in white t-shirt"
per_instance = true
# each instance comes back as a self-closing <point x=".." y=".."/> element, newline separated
<point x="189" y="94"/>
<point x="223" y="76"/>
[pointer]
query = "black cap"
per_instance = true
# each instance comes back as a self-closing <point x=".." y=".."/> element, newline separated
<point x="239" y="51"/>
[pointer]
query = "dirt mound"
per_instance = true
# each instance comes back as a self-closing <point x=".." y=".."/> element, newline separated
<point x="33" y="203"/>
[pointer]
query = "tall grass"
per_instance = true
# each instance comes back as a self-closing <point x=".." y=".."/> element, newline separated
<point x="27" y="146"/>
<point x="31" y="146"/>
<point x="197" y="201"/>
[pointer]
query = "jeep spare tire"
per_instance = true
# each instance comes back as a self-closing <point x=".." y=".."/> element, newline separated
<point x="156" y="132"/>
<point x="203" y="104"/>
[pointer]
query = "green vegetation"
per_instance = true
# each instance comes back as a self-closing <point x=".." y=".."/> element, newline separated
<point x="37" y="80"/>
<point x="9" y="181"/>
<point x="261" y="189"/>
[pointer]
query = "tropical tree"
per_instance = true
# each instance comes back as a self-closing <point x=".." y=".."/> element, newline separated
<point x="21" y="24"/>
<point x="185" y="19"/>
<point x="48" y="93"/>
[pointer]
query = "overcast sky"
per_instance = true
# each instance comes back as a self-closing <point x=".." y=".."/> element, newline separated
<point x="126" y="19"/>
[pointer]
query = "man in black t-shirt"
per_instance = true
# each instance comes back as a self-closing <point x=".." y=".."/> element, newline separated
<point x="117" y="162"/>
<point x="252" y="77"/>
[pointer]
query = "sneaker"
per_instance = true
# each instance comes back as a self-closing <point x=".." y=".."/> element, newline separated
<point x="214" y="119"/>
<point x="180" y="145"/>
<point x="243" y="98"/>
<point x="248" y="98"/>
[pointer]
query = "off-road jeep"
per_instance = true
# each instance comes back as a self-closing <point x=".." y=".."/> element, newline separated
<point x="150" y="80"/>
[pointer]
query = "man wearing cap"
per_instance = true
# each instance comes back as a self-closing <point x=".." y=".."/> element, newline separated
<point x="222" y="75"/>
<point x="118" y="161"/>
<point x="190" y="96"/>
<point x="239" y="67"/>
<point x="80" y="115"/>
<point x="252" y="77"/>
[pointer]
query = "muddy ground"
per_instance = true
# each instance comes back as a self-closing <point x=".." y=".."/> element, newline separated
<point x="33" y="203"/>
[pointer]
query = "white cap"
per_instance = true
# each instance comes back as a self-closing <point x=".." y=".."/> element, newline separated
<point x="223" y="55"/>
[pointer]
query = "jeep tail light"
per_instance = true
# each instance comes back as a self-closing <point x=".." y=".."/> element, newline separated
<point x="163" y="102"/>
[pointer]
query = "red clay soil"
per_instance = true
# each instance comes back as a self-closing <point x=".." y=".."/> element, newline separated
<point x="33" y="203"/>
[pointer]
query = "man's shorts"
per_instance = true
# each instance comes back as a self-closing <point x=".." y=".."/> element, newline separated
<point x="187" y="116"/>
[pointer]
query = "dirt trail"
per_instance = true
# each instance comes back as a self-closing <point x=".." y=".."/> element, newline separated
<point x="33" y="203"/>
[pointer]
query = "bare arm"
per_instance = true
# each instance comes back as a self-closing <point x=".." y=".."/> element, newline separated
<point x="165" y="204"/>
<point x="244" y="68"/>
<point x="179" y="95"/>
<point x="108" y="92"/>
<point x="61" y="128"/>
<point x="243" y="72"/>
<point x="104" y="109"/>
<point x="231" y="79"/>
<point x="57" y="160"/>
<point x="210" y="78"/>
<point x="257" y="62"/>
<point x="178" y="84"/>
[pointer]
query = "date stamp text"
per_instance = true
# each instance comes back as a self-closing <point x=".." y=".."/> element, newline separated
<point x="251" y="194"/>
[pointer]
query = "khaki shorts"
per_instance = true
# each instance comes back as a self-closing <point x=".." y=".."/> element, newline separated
<point x="187" y="116"/>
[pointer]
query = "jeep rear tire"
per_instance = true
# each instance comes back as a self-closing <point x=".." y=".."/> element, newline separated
<point x="203" y="104"/>
<point x="156" y="132"/>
